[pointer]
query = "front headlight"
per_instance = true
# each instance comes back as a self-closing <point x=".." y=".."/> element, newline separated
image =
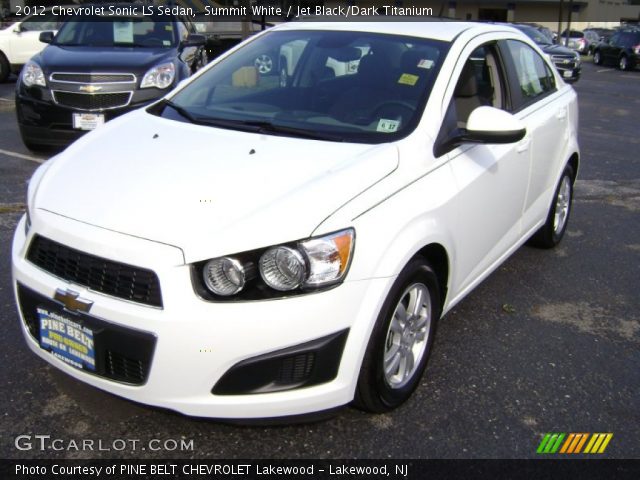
<point x="32" y="75"/>
<point x="295" y="268"/>
<point x="160" y="76"/>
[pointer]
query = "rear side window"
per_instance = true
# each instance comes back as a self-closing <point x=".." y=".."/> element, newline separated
<point x="534" y="77"/>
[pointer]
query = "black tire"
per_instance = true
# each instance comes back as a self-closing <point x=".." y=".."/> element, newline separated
<point x="375" y="391"/>
<point x="5" y="68"/>
<point x="624" y="63"/>
<point x="551" y="233"/>
<point x="597" y="57"/>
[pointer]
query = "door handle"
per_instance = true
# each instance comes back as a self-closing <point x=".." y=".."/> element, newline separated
<point x="562" y="114"/>
<point x="524" y="145"/>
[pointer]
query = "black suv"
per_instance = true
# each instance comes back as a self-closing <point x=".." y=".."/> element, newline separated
<point x="622" y="49"/>
<point x="96" y="69"/>
<point x="567" y="61"/>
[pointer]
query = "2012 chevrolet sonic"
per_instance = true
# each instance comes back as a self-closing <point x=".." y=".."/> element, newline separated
<point x="265" y="246"/>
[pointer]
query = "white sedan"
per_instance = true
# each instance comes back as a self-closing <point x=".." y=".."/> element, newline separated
<point x="248" y="247"/>
<point x="21" y="40"/>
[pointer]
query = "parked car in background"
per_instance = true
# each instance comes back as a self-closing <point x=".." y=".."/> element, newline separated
<point x="566" y="61"/>
<point x="575" y="40"/>
<point x="94" y="70"/>
<point x="622" y="49"/>
<point x="597" y="35"/>
<point x="20" y="41"/>
<point x="246" y="247"/>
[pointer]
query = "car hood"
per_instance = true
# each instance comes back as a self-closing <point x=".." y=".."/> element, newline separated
<point x="98" y="59"/>
<point x="206" y="190"/>
<point x="557" y="50"/>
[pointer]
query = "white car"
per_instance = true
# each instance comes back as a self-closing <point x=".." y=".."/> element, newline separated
<point x="244" y="248"/>
<point x="20" y="41"/>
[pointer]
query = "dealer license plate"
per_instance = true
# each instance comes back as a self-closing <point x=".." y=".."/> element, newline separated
<point x="567" y="74"/>
<point x="87" y="121"/>
<point x="67" y="340"/>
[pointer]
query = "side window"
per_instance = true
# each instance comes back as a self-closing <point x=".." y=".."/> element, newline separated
<point x="614" y="39"/>
<point x="534" y="76"/>
<point x="479" y="84"/>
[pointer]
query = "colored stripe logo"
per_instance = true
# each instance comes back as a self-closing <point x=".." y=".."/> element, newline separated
<point x="574" y="443"/>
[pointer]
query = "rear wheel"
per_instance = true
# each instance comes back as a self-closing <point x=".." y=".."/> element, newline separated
<point x="401" y="340"/>
<point x="623" y="63"/>
<point x="5" y="68"/>
<point x="597" y="58"/>
<point x="550" y="234"/>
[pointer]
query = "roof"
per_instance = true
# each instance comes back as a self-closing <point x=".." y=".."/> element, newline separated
<point x="436" y="29"/>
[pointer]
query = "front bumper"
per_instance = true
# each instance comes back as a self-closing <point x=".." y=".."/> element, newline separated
<point x="570" y="73"/>
<point x="198" y="342"/>
<point x="44" y="122"/>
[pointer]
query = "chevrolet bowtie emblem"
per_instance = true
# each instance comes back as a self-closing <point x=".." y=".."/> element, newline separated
<point x="90" y="88"/>
<point x="71" y="301"/>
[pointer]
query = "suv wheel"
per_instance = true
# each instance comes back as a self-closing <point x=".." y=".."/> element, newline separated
<point x="5" y="68"/>
<point x="597" y="58"/>
<point x="624" y="63"/>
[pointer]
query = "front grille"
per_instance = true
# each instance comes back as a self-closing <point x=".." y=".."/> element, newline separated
<point x="98" y="274"/>
<point x="122" y="354"/>
<point x="93" y="77"/>
<point x="92" y="101"/>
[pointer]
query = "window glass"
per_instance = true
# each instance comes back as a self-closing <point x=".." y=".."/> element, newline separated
<point x="479" y="85"/>
<point x="39" y="23"/>
<point x="534" y="76"/>
<point x="351" y="86"/>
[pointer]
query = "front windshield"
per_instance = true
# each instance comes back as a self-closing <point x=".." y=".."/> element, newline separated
<point x="341" y="86"/>
<point x="152" y="32"/>
<point x="537" y="36"/>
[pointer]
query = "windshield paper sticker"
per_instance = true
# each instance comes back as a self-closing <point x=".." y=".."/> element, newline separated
<point x="387" y="126"/>
<point x="122" y="32"/>
<point x="408" y="79"/>
<point x="425" y="63"/>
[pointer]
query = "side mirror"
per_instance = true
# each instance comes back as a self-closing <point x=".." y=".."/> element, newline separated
<point x="194" y="40"/>
<point x="492" y="125"/>
<point x="485" y="125"/>
<point x="46" y="37"/>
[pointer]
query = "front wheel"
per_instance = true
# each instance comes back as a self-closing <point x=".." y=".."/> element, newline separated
<point x="401" y="340"/>
<point x="550" y="234"/>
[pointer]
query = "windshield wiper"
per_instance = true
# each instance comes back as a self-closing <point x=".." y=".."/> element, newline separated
<point x="253" y="126"/>
<point x="182" y="111"/>
<point x="264" y="126"/>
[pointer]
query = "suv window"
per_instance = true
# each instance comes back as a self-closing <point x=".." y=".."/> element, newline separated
<point x="628" y="39"/>
<point x="534" y="76"/>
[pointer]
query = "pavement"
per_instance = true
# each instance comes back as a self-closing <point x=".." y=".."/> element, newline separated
<point x="548" y="343"/>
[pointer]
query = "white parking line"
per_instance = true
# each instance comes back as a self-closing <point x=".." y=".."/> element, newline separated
<point x="605" y="70"/>
<point x="22" y="155"/>
<point x="2" y="99"/>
